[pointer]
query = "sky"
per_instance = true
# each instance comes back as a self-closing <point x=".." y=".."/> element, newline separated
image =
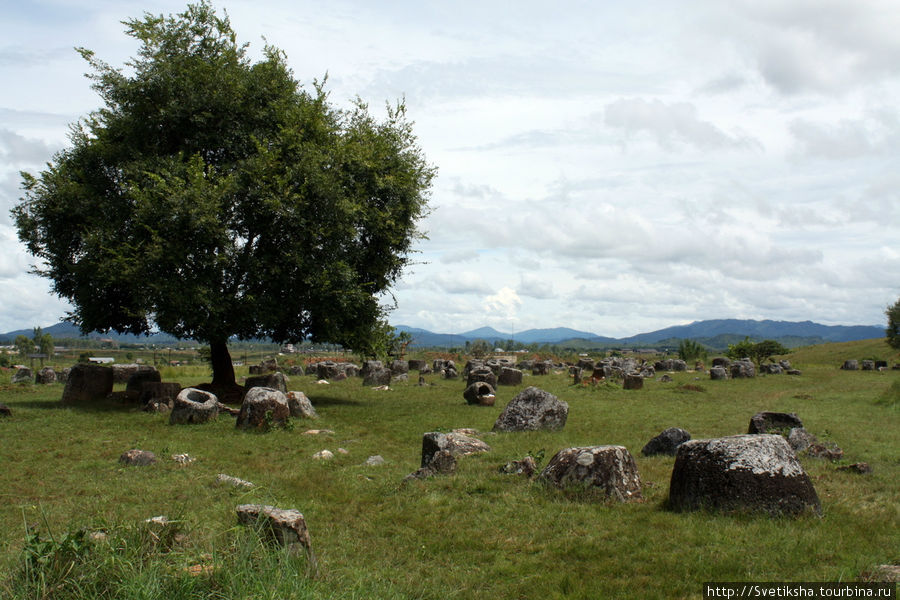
<point x="611" y="167"/>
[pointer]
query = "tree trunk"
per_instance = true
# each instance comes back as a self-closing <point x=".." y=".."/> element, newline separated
<point x="223" y="384"/>
<point x="220" y="358"/>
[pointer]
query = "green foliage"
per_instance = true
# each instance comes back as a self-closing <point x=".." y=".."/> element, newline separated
<point x="43" y="342"/>
<point x="479" y="348"/>
<point x="893" y="325"/>
<point x="24" y="346"/>
<point x="214" y="197"/>
<point x="48" y="561"/>
<point x="690" y="350"/>
<point x="758" y="352"/>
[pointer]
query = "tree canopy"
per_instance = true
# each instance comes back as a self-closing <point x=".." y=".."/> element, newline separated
<point x="892" y="332"/>
<point x="213" y="197"/>
<point x="759" y="352"/>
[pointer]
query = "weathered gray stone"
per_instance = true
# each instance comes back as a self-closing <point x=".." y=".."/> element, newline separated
<point x="262" y="407"/>
<point x="743" y="369"/>
<point x="774" y="422"/>
<point x="268" y="365"/>
<point x="744" y="472"/>
<point x="868" y="365"/>
<point x="399" y="367"/>
<point x="457" y="444"/>
<point x="533" y="409"/>
<point x="223" y="479"/>
<point x="45" y="376"/>
<point x="482" y="374"/>
<point x="193" y="406"/>
<point x="123" y="372"/>
<point x="480" y="393"/>
<point x="416" y="364"/>
<point x="377" y="377"/>
<point x="137" y="458"/>
<point x="586" y="364"/>
<point x="449" y="373"/>
<point x="575" y="373"/>
<point x="542" y="368"/>
<point x="300" y="406"/>
<point x="799" y="439"/>
<point x="369" y="366"/>
<point x="23" y="375"/>
<point x="159" y="392"/>
<point x="850" y="365"/>
<point x="666" y="442"/>
<point x="286" y="527"/>
<point x="328" y="370"/>
<point x="825" y="450"/>
<point x="610" y="470"/>
<point x="527" y="467"/>
<point x="721" y="361"/>
<point x="145" y="374"/>
<point x="87" y="382"/>
<point x="275" y="381"/>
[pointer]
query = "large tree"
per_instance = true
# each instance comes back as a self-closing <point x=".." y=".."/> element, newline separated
<point x="892" y="332"/>
<point x="213" y="197"/>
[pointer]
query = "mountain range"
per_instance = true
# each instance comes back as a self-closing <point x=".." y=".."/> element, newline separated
<point x="715" y="333"/>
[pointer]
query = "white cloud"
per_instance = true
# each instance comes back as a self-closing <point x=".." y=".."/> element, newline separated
<point x="669" y="124"/>
<point x="459" y="256"/>
<point x="16" y="150"/>
<point x="820" y="46"/>
<point x="877" y="132"/>
<point x="533" y="285"/>
<point x="503" y="304"/>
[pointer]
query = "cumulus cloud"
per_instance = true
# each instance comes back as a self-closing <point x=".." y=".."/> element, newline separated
<point x="19" y="150"/>
<point x="823" y="46"/>
<point x="461" y="282"/>
<point x="535" y="286"/>
<point x="670" y="123"/>
<point x="877" y="132"/>
<point x="503" y="304"/>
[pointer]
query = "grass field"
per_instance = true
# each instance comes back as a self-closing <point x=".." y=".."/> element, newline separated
<point x="474" y="534"/>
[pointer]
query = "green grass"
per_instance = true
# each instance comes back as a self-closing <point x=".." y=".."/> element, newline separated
<point x="474" y="534"/>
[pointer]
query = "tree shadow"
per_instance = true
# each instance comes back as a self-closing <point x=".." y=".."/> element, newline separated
<point x="102" y="406"/>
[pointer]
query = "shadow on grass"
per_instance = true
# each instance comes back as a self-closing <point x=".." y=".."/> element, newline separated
<point x="102" y="406"/>
<point x="331" y="401"/>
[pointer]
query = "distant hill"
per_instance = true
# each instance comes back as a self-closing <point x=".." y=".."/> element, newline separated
<point x="759" y="329"/>
<point x="716" y="334"/>
<point x="66" y="330"/>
